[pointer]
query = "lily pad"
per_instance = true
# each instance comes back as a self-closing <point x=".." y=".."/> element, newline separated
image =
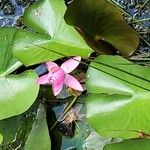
<point x="1" y="138"/>
<point x="119" y="97"/>
<point x="18" y="92"/>
<point x="52" y="39"/>
<point x="99" y="22"/>
<point x="133" y="144"/>
<point x="7" y="62"/>
<point x="8" y="132"/>
<point x="39" y="136"/>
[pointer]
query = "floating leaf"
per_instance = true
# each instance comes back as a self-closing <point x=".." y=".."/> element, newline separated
<point x="101" y="21"/>
<point x="53" y="38"/>
<point x="132" y="144"/>
<point x="7" y="62"/>
<point x="18" y="92"/>
<point x="1" y="138"/>
<point x="7" y="132"/>
<point x="118" y="101"/>
<point x="38" y="138"/>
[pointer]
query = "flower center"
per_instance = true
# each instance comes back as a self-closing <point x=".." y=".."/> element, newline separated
<point x="57" y="75"/>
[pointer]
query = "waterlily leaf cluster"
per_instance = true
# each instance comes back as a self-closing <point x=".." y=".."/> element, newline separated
<point x="118" y="90"/>
<point x="49" y="39"/>
<point x="15" y="89"/>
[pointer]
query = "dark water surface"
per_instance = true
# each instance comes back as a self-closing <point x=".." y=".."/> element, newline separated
<point x="11" y="10"/>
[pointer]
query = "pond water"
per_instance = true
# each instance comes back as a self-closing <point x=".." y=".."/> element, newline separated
<point x="11" y="10"/>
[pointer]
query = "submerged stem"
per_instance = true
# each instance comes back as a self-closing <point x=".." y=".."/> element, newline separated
<point x="64" y="113"/>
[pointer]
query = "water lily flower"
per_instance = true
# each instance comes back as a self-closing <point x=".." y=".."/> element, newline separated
<point x="59" y="76"/>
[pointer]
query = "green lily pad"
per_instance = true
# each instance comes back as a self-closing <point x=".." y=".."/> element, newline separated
<point x="1" y="138"/>
<point x="7" y="62"/>
<point x="8" y="132"/>
<point x="38" y="138"/>
<point x="52" y="39"/>
<point x="119" y="97"/>
<point x="18" y="92"/>
<point x="133" y="144"/>
<point x="101" y="21"/>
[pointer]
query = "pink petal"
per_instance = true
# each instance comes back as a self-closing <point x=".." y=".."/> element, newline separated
<point x="51" y="65"/>
<point x="57" y="87"/>
<point x="43" y="79"/>
<point x="73" y="82"/>
<point x="69" y="65"/>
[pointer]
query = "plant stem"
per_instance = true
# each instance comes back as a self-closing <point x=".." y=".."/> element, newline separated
<point x="138" y="21"/>
<point x="64" y="113"/>
<point x="145" y="3"/>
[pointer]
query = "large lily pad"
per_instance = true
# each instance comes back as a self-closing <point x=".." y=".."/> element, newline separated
<point x="142" y="144"/>
<point x="38" y="138"/>
<point x="99" y="22"/>
<point x="53" y="38"/>
<point x="17" y="93"/>
<point x="119" y="97"/>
